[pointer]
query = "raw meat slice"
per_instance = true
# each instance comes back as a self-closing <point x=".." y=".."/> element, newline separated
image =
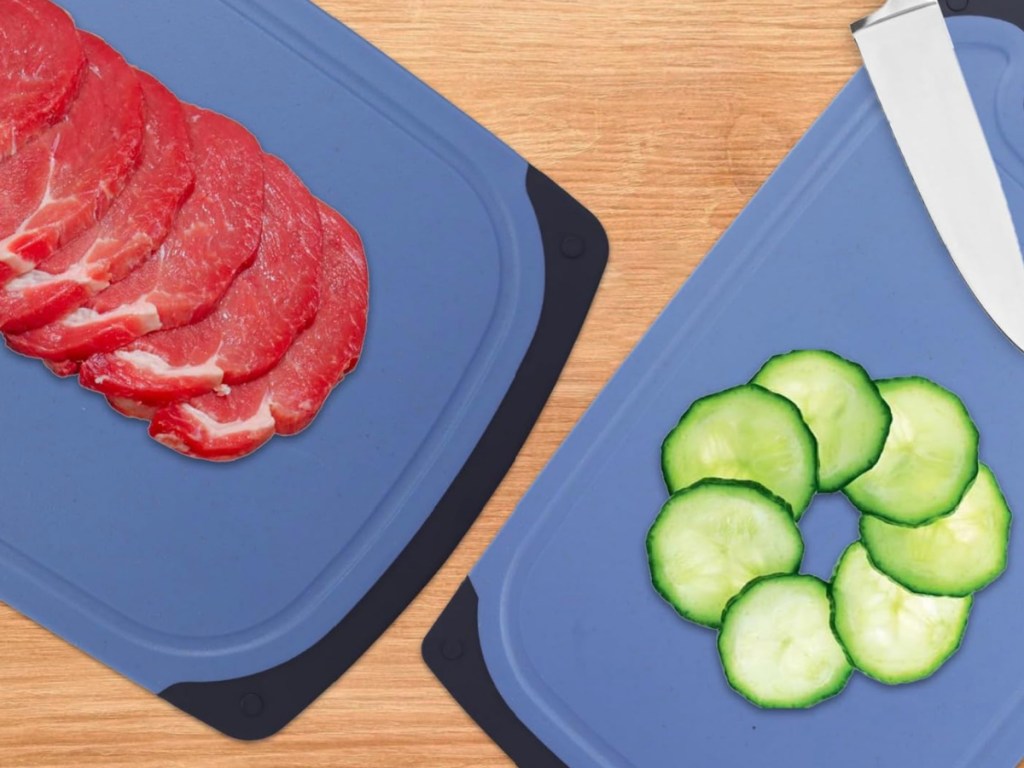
<point x="64" y="369"/>
<point x="133" y="228"/>
<point x="63" y="181"/>
<point x="286" y="400"/>
<point x="213" y="237"/>
<point x="253" y="325"/>
<point x="41" y="62"/>
<point x="217" y="428"/>
<point x="133" y="409"/>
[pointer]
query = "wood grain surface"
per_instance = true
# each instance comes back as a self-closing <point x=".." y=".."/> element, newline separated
<point x="663" y="117"/>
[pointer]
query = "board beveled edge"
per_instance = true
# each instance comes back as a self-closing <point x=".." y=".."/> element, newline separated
<point x="259" y="705"/>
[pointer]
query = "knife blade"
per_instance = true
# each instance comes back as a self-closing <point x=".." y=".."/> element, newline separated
<point x="910" y="59"/>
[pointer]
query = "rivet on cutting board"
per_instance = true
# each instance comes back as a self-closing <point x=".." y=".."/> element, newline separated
<point x="252" y="705"/>
<point x="957" y="5"/>
<point x="573" y="246"/>
<point x="452" y="650"/>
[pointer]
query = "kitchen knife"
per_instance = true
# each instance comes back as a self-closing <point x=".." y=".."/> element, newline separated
<point x="911" y="61"/>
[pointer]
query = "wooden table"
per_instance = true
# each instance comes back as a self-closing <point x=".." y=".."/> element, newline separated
<point x="663" y="117"/>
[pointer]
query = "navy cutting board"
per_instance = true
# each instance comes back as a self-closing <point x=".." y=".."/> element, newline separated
<point x="558" y="645"/>
<point x="240" y="592"/>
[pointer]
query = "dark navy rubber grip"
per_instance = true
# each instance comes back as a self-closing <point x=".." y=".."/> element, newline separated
<point x="1004" y="10"/>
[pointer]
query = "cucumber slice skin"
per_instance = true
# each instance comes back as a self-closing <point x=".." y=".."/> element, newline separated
<point x="800" y="488"/>
<point x="903" y="554"/>
<point x="771" y="506"/>
<point x="841" y="673"/>
<point x="864" y="491"/>
<point x="781" y="374"/>
<point x="847" y="634"/>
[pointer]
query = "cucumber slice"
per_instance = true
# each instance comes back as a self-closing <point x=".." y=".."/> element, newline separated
<point x="954" y="556"/>
<point x="746" y="433"/>
<point x="929" y="459"/>
<point x="712" y="539"/>
<point x="890" y="633"/>
<point x="777" y="646"/>
<point x="841" y="405"/>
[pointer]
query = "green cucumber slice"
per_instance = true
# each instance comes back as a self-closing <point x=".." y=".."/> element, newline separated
<point x="777" y="646"/>
<point x="712" y="539"/>
<point x="890" y="633"/>
<point x="929" y="460"/>
<point x="954" y="556"/>
<point x="841" y="405"/>
<point x="746" y="433"/>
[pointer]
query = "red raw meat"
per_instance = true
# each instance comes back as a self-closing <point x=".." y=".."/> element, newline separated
<point x="133" y="228"/>
<point x="64" y="369"/>
<point x="253" y="325"/>
<point x="213" y="237"/>
<point x="41" y="63"/>
<point x="285" y="401"/>
<point x="62" y="182"/>
<point x="133" y="409"/>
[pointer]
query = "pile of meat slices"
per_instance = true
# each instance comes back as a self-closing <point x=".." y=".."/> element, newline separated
<point x="155" y="251"/>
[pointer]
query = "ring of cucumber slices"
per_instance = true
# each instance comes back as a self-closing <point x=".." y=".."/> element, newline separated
<point x="742" y="467"/>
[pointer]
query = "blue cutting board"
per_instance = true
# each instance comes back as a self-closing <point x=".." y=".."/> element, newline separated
<point x="558" y="644"/>
<point x="240" y="592"/>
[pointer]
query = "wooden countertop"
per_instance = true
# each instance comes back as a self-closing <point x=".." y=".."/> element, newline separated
<point x="663" y="117"/>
